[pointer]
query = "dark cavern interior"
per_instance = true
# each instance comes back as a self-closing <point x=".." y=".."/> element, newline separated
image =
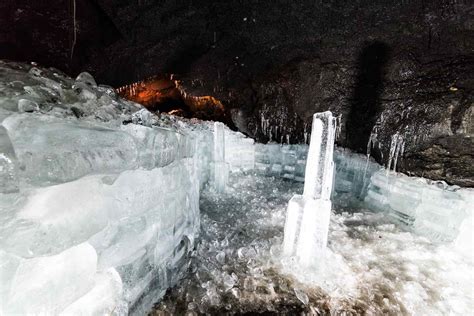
<point x="236" y="157"/>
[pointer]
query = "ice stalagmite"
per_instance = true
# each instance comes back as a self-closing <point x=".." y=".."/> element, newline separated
<point x="220" y="166"/>
<point x="307" y="221"/>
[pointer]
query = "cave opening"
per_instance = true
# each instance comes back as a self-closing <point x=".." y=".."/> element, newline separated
<point x="164" y="94"/>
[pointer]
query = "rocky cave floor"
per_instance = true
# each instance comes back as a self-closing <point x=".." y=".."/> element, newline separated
<point x="373" y="266"/>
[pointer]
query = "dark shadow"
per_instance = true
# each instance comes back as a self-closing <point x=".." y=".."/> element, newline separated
<point x="365" y="102"/>
<point x="182" y="60"/>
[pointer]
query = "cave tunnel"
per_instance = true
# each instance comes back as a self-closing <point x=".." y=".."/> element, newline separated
<point x="232" y="157"/>
<point x="162" y="94"/>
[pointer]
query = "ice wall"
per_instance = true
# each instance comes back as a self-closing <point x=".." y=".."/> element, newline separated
<point x="430" y="208"/>
<point x="434" y="209"/>
<point x="99" y="199"/>
<point x="307" y="221"/>
<point x="239" y="151"/>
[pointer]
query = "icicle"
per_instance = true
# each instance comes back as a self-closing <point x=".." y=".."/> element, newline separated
<point x="397" y="146"/>
<point x="338" y="126"/>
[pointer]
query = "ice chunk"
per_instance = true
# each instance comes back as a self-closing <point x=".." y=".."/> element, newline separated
<point x="79" y="148"/>
<point x="143" y="117"/>
<point x="220" y="166"/>
<point x="219" y="142"/>
<point x="306" y="228"/>
<point x="49" y="284"/>
<point x="85" y="77"/>
<point x="157" y="147"/>
<point x="320" y="164"/>
<point x="27" y="106"/>
<point x="307" y="222"/>
<point x="8" y="164"/>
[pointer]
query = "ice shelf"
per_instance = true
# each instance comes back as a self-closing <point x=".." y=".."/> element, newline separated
<point x="307" y="222"/>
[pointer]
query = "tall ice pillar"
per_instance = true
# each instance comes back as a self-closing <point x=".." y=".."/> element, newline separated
<point x="220" y="172"/>
<point x="307" y="221"/>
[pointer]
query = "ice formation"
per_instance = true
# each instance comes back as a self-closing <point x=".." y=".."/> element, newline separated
<point x="99" y="198"/>
<point x="99" y="210"/>
<point x="373" y="265"/>
<point x="307" y="221"/>
<point x="220" y="166"/>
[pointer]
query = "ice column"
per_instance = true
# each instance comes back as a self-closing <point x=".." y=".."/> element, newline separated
<point x="307" y="221"/>
<point x="220" y="166"/>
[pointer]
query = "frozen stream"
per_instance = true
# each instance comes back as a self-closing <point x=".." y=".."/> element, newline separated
<point x="373" y="266"/>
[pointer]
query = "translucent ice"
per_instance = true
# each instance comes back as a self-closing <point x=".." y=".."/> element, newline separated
<point x="307" y="222"/>
<point x="27" y="106"/>
<point x="79" y="148"/>
<point x="8" y="164"/>
<point x="98" y="204"/>
<point x="49" y="284"/>
<point x="220" y="165"/>
<point x="102" y="299"/>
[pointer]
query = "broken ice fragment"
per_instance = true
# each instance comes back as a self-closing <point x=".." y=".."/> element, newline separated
<point x="85" y="77"/>
<point x="27" y="106"/>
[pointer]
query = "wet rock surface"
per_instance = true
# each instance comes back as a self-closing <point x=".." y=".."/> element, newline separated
<point x="386" y="67"/>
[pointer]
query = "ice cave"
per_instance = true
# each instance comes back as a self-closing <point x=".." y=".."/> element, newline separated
<point x="287" y="157"/>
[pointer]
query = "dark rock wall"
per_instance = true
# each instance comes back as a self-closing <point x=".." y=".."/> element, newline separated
<point x="386" y="67"/>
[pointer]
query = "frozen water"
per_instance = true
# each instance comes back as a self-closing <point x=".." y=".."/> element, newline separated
<point x="239" y="151"/>
<point x="430" y="208"/>
<point x="48" y="284"/>
<point x="308" y="215"/>
<point x="220" y="165"/>
<point x="8" y="164"/>
<point x="373" y="265"/>
<point x="397" y="146"/>
<point x="79" y="148"/>
<point x="320" y="165"/>
<point x="86" y="78"/>
<point x="102" y="299"/>
<point x="98" y="201"/>
<point x="27" y="106"/>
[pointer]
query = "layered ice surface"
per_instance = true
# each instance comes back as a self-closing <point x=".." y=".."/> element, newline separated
<point x="98" y="198"/>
